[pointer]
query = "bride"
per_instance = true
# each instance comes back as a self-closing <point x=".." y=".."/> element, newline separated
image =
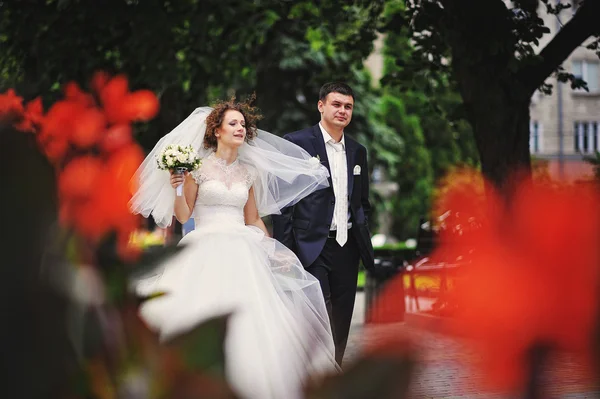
<point x="279" y="331"/>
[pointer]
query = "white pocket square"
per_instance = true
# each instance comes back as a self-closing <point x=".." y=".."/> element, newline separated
<point x="356" y="170"/>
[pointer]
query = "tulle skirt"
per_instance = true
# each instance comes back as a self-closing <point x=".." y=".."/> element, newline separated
<point x="279" y="332"/>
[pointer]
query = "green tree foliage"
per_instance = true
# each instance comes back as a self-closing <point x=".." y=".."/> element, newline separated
<point x="427" y="92"/>
<point x="414" y="173"/>
<point x="192" y="52"/>
<point x="422" y="107"/>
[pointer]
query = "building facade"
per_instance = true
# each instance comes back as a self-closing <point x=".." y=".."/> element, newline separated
<point x="564" y="125"/>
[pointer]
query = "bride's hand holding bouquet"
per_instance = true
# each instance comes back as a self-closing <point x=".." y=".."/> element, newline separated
<point x="179" y="161"/>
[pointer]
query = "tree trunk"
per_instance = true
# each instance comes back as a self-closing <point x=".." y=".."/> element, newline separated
<point x="502" y="135"/>
<point x="498" y="110"/>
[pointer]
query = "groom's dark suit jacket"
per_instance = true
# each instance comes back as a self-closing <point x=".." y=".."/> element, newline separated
<point x="304" y="227"/>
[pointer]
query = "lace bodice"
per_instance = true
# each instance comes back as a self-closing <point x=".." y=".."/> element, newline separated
<point x="222" y="189"/>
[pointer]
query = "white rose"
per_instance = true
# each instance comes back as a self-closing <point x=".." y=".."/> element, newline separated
<point x="181" y="158"/>
<point x="314" y="162"/>
<point x="169" y="161"/>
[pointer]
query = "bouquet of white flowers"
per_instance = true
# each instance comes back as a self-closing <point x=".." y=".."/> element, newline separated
<point x="179" y="159"/>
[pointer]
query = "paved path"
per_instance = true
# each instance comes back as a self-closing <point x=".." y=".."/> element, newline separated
<point x="444" y="371"/>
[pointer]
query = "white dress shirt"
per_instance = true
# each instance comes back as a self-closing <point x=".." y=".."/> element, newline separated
<point x="336" y="154"/>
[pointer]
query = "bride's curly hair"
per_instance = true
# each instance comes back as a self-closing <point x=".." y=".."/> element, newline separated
<point x="214" y="120"/>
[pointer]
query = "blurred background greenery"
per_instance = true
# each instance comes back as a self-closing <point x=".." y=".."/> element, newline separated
<point x="192" y="53"/>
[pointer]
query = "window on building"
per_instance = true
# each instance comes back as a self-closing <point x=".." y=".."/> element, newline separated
<point x="588" y="71"/>
<point x="587" y="137"/>
<point x="535" y="137"/>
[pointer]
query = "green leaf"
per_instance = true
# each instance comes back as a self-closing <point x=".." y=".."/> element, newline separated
<point x="202" y="348"/>
<point x="153" y="257"/>
<point x="270" y="17"/>
<point x="315" y="38"/>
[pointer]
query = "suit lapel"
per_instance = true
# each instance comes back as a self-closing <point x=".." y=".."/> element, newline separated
<point x="319" y="146"/>
<point x="350" y="151"/>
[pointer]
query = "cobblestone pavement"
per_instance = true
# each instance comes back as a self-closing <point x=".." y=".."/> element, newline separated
<point x="444" y="370"/>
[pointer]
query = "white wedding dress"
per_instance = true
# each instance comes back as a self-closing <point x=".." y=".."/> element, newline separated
<point x="279" y="331"/>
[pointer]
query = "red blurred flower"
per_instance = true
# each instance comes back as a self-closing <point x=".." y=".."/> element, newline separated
<point x="11" y="106"/>
<point x="141" y="105"/>
<point x="95" y="188"/>
<point x="107" y="205"/>
<point x="387" y="305"/>
<point x="79" y="177"/>
<point x="121" y="106"/>
<point x="74" y="93"/>
<point x="99" y="80"/>
<point x="55" y="148"/>
<point x="59" y="120"/>
<point x="111" y="203"/>
<point x="73" y="121"/>
<point x="88" y="127"/>
<point x="116" y="137"/>
<point x="533" y="276"/>
<point x="123" y="164"/>
<point x="536" y="265"/>
<point x="88" y="221"/>
<point x="32" y="116"/>
<point x="112" y="96"/>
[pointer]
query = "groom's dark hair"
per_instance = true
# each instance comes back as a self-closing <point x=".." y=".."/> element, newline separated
<point x="335" y="87"/>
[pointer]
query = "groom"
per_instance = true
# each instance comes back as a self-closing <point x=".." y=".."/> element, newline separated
<point x="328" y="230"/>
